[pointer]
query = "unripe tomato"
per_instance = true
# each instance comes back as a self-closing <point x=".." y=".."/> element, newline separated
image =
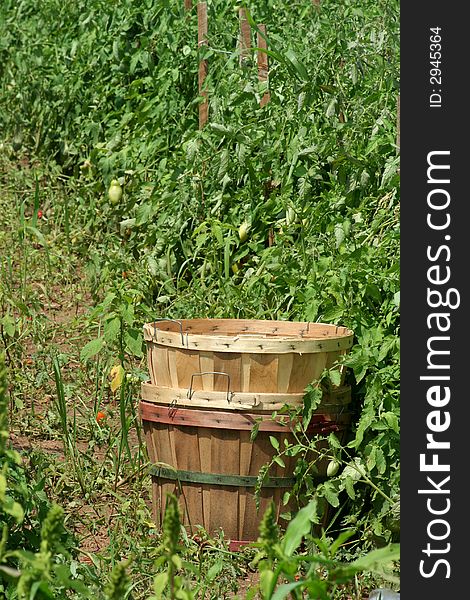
<point x="115" y="192"/>
<point x="290" y="215"/>
<point x="332" y="468"/>
<point x="243" y="231"/>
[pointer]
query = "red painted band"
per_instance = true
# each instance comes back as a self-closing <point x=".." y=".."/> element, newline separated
<point x="236" y="545"/>
<point x="241" y="421"/>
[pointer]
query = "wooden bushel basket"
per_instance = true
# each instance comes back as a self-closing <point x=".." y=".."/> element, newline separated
<point x="211" y="380"/>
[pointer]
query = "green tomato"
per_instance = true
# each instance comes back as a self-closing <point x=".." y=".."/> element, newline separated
<point x="115" y="192"/>
<point x="243" y="232"/>
<point x="332" y="468"/>
<point x="290" y="216"/>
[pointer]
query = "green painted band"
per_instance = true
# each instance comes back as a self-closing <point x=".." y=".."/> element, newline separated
<point x="220" y="479"/>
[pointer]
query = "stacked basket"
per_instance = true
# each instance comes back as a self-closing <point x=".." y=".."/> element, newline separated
<point x="211" y="381"/>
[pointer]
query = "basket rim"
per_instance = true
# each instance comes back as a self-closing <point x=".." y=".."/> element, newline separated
<point x="272" y="327"/>
<point x="240" y="332"/>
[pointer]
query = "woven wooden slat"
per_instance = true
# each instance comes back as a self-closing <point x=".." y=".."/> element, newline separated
<point x="237" y="400"/>
<point x="212" y="381"/>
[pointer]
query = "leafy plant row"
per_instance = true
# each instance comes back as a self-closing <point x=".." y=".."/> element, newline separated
<point x="38" y="556"/>
<point x="288" y="211"/>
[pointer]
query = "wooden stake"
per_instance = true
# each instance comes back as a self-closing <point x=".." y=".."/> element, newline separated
<point x="188" y="4"/>
<point x="202" y="41"/>
<point x="245" y="37"/>
<point x="270" y="237"/>
<point x="263" y="63"/>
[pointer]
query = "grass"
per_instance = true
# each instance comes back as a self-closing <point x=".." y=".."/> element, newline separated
<point x="95" y="469"/>
<point x="54" y="396"/>
<point x="315" y="177"/>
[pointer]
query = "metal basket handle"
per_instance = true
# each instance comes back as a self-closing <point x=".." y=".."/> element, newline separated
<point x="191" y="391"/>
<point x="171" y="321"/>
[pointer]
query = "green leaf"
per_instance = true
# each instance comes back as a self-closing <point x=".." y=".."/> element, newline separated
<point x="371" y="458"/>
<point x="366" y="420"/>
<point x="127" y="313"/>
<point x="333" y="441"/>
<point x="331" y="110"/>
<point x="299" y="67"/>
<point x="339" y="234"/>
<point x="285" y="589"/>
<point x="317" y="588"/>
<point x="183" y="594"/>
<point x="339" y="541"/>
<point x="349" y="487"/>
<point x="375" y="560"/>
<point x="227" y="252"/>
<point x="274" y="442"/>
<point x="267" y="581"/>
<point x="13" y="508"/>
<point x="126" y="224"/>
<point x="392" y="421"/>
<point x="330" y="492"/>
<point x="214" y="570"/>
<point x="44" y="588"/>
<point x="92" y="348"/>
<point x="252" y="593"/>
<point x="299" y="527"/>
<point x="133" y="341"/>
<point x="109" y="299"/>
<point x="333" y="314"/>
<point x="359" y="363"/>
<point x="335" y="376"/>
<point x="62" y="573"/>
<point x="361" y="373"/>
<point x="380" y="462"/>
<point x="217" y="233"/>
<point x="152" y="266"/>
<point x="111" y="329"/>
<point x="37" y="234"/>
<point x="221" y="130"/>
<point x="354" y="470"/>
<point x="9" y="325"/>
<point x="159" y="583"/>
<point x="373" y="292"/>
<point x="312" y="399"/>
<point x="254" y="431"/>
<point x="143" y="213"/>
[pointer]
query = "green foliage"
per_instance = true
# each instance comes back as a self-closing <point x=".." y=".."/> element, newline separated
<point x="330" y="475"/>
<point x="119" y="583"/>
<point x="318" y="573"/>
<point x="35" y="559"/>
<point x="170" y="557"/>
<point x="99" y="91"/>
<point x="269" y="531"/>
